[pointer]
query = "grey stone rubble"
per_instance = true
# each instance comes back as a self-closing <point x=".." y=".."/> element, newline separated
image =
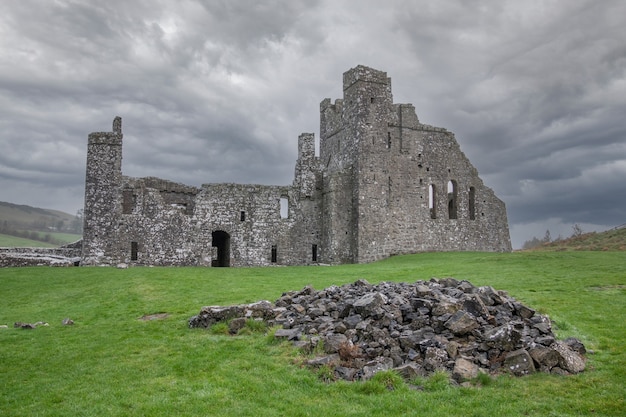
<point x="415" y="329"/>
<point x="63" y="256"/>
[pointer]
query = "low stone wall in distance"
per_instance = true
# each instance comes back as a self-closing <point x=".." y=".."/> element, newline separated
<point x="63" y="256"/>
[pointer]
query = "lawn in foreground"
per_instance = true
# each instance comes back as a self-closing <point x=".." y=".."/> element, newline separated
<point x="112" y="363"/>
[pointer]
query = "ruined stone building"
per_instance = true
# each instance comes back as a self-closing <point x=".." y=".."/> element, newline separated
<point x="383" y="184"/>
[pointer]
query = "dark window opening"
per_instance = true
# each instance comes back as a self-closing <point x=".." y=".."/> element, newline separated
<point x="221" y="242"/>
<point x="128" y="201"/>
<point x="472" y="203"/>
<point x="314" y="253"/>
<point x="133" y="251"/>
<point x="452" y="199"/>
<point x="388" y="140"/>
<point x="274" y="254"/>
<point x="432" y="201"/>
<point x="242" y="216"/>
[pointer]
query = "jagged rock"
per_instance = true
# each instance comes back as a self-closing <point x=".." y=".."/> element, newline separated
<point x="26" y="326"/>
<point x="289" y="334"/>
<point x="576" y="345"/>
<point x="546" y="358"/>
<point x="324" y="360"/>
<point x="414" y="328"/>
<point x="333" y="342"/>
<point x="461" y="323"/>
<point x="371" y="368"/>
<point x="67" y="321"/>
<point x="236" y="324"/>
<point x="464" y="370"/>
<point x="370" y="304"/>
<point x="569" y="360"/>
<point x="506" y="337"/>
<point x="519" y="363"/>
<point x="410" y="371"/>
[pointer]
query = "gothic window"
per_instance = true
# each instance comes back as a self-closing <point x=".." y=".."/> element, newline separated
<point x="452" y="199"/>
<point x="472" y="203"/>
<point x="432" y="197"/>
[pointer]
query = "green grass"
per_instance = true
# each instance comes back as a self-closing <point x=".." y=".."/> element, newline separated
<point x="7" y="241"/>
<point x="112" y="363"/>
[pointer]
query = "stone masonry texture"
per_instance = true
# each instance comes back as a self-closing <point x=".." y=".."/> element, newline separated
<point x="383" y="184"/>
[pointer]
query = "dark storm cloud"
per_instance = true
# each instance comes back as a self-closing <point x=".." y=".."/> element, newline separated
<point x="218" y="91"/>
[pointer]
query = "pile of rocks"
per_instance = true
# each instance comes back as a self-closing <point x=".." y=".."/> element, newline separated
<point x="416" y="329"/>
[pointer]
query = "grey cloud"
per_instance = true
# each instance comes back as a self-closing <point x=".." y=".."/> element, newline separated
<point x="218" y="91"/>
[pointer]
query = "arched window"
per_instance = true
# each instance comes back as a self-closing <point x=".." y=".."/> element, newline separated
<point x="472" y="203"/>
<point x="431" y="201"/>
<point x="452" y="199"/>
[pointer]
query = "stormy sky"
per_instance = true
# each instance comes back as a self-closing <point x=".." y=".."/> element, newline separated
<point x="218" y="91"/>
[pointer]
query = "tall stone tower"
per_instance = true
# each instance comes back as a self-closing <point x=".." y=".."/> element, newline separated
<point x="102" y="183"/>
<point x="393" y="185"/>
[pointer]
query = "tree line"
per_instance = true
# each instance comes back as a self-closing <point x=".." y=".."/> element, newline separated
<point x="41" y="229"/>
<point x="547" y="238"/>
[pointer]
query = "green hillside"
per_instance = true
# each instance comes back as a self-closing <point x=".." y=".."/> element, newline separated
<point x="45" y="227"/>
<point x="610" y="240"/>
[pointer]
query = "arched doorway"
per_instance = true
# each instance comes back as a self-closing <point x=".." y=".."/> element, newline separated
<point x="221" y="241"/>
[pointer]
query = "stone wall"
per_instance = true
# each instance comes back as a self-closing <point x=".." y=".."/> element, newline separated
<point x="367" y="196"/>
<point x="63" y="256"/>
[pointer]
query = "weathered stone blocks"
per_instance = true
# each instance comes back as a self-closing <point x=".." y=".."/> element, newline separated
<point x="367" y="328"/>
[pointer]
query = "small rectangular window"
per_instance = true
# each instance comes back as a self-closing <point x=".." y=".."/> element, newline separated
<point x="314" y="253"/>
<point x="242" y="216"/>
<point x="284" y="207"/>
<point x="133" y="251"/>
<point x="274" y="254"/>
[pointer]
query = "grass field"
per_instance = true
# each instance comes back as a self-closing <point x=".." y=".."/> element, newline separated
<point x="112" y="363"/>
<point x="7" y="241"/>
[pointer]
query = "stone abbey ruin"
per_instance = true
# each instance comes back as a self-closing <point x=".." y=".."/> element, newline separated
<point x="383" y="184"/>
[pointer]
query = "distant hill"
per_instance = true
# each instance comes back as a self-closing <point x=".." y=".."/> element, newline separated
<point x="35" y="217"/>
<point x="610" y="240"/>
<point x="39" y="224"/>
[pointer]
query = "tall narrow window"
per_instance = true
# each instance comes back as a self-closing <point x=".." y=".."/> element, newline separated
<point x="274" y="254"/>
<point x="128" y="201"/>
<point x="242" y="216"/>
<point x="452" y="199"/>
<point x="388" y="140"/>
<point x="284" y="207"/>
<point x="133" y="251"/>
<point x="432" y="197"/>
<point x="314" y="253"/>
<point x="472" y="203"/>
